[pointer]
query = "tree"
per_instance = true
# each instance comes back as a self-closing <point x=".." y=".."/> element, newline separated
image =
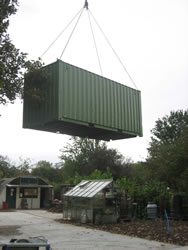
<point x="168" y="129"/>
<point x="95" y="175"/>
<point x="51" y="174"/>
<point x="106" y="158"/>
<point x="9" y="170"/>
<point x="80" y="146"/>
<point x="168" y="160"/>
<point x="75" y="155"/>
<point x="47" y="171"/>
<point x="84" y="155"/>
<point x="139" y="171"/>
<point x="12" y="61"/>
<point x="8" y="7"/>
<point x="24" y="167"/>
<point x="4" y="166"/>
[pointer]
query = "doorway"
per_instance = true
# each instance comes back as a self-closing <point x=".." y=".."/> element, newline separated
<point x="42" y="197"/>
<point x="11" y="197"/>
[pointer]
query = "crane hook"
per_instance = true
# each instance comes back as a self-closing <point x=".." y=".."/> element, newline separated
<point x="86" y="5"/>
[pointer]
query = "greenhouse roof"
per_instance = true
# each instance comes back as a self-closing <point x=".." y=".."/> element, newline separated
<point x="88" y="188"/>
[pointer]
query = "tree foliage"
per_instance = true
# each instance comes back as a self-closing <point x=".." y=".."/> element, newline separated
<point x="168" y="158"/>
<point x="84" y="156"/>
<point x="4" y="167"/>
<point x="10" y="170"/>
<point x="95" y="175"/>
<point x="35" y="82"/>
<point x="14" y="66"/>
<point x="47" y="171"/>
<point x="12" y="61"/>
<point x="170" y="128"/>
<point x="7" y="8"/>
<point x="80" y="146"/>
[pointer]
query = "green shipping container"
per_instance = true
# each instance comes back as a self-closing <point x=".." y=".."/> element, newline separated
<point x="81" y="103"/>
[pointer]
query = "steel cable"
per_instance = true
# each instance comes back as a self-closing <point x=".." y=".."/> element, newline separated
<point x="95" y="43"/>
<point x="113" y="50"/>
<point x="72" y="33"/>
<point x="61" y="33"/>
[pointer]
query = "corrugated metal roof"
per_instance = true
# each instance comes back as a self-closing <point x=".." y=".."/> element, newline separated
<point x="8" y="182"/>
<point x="88" y="189"/>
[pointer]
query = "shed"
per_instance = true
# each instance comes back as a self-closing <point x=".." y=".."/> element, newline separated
<point x="80" y="103"/>
<point x="94" y="201"/>
<point x="25" y="192"/>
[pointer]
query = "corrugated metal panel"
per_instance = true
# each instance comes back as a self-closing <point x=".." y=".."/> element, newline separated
<point x="88" y="189"/>
<point x="85" y="104"/>
<point x="94" y="99"/>
<point x="34" y="115"/>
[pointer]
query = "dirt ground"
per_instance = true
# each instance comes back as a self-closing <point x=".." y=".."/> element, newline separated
<point x="9" y="230"/>
<point x="147" y="229"/>
<point x="23" y="224"/>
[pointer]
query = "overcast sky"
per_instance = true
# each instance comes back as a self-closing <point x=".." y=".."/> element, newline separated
<point x="150" y="37"/>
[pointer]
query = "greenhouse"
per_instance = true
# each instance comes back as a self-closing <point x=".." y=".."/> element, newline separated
<point x="93" y="201"/>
